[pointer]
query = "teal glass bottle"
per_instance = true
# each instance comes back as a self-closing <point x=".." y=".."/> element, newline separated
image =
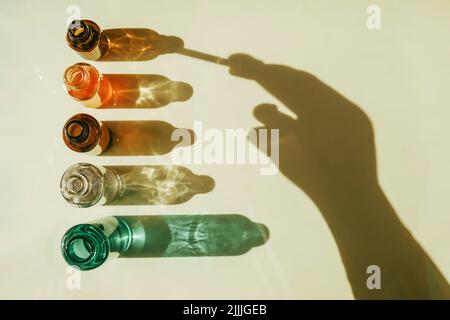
<point x="87" y="246"/>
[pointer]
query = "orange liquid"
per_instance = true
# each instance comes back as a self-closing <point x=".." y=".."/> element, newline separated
<point x="88" y="86"/>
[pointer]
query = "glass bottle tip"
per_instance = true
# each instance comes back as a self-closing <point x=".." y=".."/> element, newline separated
<point x="77" y="27"/>
<point x="81" y="185"/>
<point x="77" y="75"/>
<point x="85" y="246"/>
<point x="75" y="130"/>
<point x="77" y="185"/>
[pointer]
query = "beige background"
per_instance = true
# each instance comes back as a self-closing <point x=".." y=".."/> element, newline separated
<point x="399" y="75"/>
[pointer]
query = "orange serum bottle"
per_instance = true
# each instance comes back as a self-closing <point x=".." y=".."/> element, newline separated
<point x="86" y="84"/>
<point x="83" y="133"/>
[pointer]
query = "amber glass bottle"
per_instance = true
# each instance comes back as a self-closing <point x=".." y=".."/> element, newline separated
<point x="83" y="133"/>
<point x="84" y="36"/>
<point x="120" y="44"/>
<point x="86" y="84"/>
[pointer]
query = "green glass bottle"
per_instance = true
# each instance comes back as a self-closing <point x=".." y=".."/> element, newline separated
<point x="87" y="246"/>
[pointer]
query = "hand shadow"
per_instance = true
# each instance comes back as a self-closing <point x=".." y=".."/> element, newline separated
<point x="329" y="152"/>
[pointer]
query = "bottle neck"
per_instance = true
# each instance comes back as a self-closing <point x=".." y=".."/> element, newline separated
<point x="83" y="35"/>
<point x="76" y="77"/>
<point x="83" y="185"/>
<point x="77" y="130"/>
<point x="79" y="30"/>
<point x="87" y="246"/>
<point x="81" y="133"/>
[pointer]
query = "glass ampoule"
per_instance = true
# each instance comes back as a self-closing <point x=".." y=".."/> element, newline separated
<point x="83" y="133"/>
<point x="85" y="185"/>
<point x="87" y="246"/>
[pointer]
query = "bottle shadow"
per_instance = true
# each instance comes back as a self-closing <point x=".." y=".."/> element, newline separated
<point x="136" y="44"/>
<point x="158" y="185"/>
<point x="328" y="151"/>
<point x="143" y="138"/>
<point x="143" y="91"/>
<point x="193" y="235"/>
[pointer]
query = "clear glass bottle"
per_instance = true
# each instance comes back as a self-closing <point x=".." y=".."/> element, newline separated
<point x="84" y="185"/>
<point x="87" y="85"/>
<point x="84" y="37"/>
<point x="87" y="246"/>
<point x="83" y="133"/>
